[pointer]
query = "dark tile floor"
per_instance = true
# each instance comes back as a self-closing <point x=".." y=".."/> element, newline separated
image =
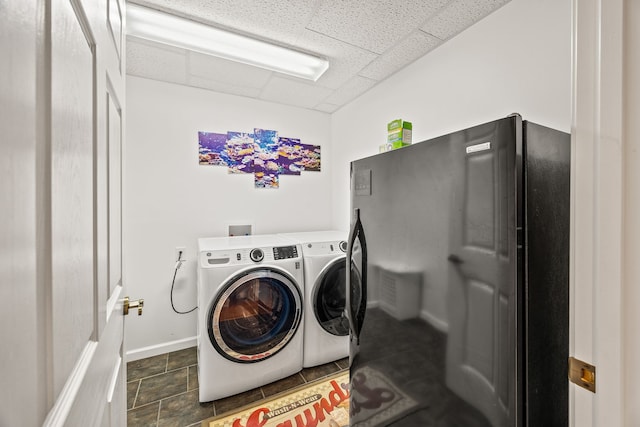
<point x="412" y="354"/>
<point x="162" y="391"/>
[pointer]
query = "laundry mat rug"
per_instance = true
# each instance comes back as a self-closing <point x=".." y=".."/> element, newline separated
<point x="322" y="403"/>
<point x="375" y="400"/>
<point x="325" y="403"/>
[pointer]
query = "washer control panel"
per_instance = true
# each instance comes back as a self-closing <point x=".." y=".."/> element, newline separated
<point x="248" y="256"/>
<point x="285" y="252"/>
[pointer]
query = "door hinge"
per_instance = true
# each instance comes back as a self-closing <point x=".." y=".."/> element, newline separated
<point x="582" y="374"/>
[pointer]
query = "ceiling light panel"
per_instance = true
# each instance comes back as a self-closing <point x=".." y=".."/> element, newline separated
<point x="278" y="20"/>
<point x="164" y="28"/>
<point x="346" y="59"/>
<point x="228" y="72"/>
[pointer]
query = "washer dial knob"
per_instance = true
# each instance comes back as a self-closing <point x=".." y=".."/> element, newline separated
<point x="256" y="255"/>
<point x="343" y="246"/>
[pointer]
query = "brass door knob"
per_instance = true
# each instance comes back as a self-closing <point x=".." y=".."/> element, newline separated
<point x="132" y="304"/>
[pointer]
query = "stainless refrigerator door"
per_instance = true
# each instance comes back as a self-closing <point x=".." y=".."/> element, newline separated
<point x="438" y="342"/>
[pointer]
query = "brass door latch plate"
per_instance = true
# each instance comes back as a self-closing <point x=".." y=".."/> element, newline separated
<point x="582" y="374"/>
<point x="127" y="304"/>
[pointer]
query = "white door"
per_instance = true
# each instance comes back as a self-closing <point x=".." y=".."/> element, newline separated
<point x="605" y="205"/>
<point x="87" y="325"/>
<point x="62" y="332"/>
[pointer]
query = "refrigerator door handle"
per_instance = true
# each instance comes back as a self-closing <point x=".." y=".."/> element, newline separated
<point x="356" y="319"/>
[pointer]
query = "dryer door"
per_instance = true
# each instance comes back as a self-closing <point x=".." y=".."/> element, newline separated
<point x="255" y="315"/>
<point x="329" y="298"/>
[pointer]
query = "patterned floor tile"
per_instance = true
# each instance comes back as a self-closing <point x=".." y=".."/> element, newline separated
<point x="144" y="416"/>
<point x="182" y="358"/>
<point x="282" y="385"/>
<point x="238" y="401"/>
<point x="312" y="374"/>
<point x="162" y="386"/>
<point x="183" y="410"/>
<point x="132" y="391"/>
<point x="343" y="363"/>
<point x="142" y="368"/>
<point x="193" y="378"/>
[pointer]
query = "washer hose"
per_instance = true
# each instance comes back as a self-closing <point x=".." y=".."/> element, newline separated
<point x="173" y="282"/>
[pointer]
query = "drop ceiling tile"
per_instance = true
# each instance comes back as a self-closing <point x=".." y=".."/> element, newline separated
<point x="226" y="72"/>
<point x="356" y="36"/>
<point x="374" y="25"/>
<point x="327" y="108"/>
<point x="294" y="92"/>
<point x="344" y="59"/>
<point x="156" y="61"/>
<point x="459" y="15"/>
<point x="240" y="90"/>
<point x="281" y="20"/>
<point x="416" y="45"/>
<point x="355" y="87"/>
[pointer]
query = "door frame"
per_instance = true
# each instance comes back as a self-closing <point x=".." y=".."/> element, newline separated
<point x="605" y="210"/>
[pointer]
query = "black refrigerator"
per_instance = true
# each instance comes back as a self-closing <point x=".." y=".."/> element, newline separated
<point x="459" y="286"/>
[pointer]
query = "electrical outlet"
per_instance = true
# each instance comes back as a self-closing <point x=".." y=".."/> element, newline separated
<point x="177" y="252"/>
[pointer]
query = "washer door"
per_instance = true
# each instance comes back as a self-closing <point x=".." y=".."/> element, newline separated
<point x="255" y="315"/>
<point x="329" y="298"/>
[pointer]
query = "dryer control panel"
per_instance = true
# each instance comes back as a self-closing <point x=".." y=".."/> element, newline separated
<point x="285" y="252"/>
<point x="325" y="248"/>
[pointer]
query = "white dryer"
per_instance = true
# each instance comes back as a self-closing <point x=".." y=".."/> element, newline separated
<point x="326" y="329"/>
<point x="250" y="320"/>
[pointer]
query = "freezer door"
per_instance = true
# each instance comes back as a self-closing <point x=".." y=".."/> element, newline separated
<point x="437" y="344"/>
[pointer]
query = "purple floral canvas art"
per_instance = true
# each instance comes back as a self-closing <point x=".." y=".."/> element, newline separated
<point x="262" y="153"/>
<point x="240" y="148"/>
<point x="212" y="148"/>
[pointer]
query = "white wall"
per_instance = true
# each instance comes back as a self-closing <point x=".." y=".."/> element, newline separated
<point x="518" y="59"/>
<point x="170" y="200"/>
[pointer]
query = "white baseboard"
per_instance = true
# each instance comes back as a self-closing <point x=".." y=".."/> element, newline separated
<point x="437" y="323"/>
<point x="154" y="350"/>
<point x="440" y="325"/>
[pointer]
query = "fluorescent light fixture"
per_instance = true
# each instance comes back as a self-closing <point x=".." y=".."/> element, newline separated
<point x="151" y="24"/>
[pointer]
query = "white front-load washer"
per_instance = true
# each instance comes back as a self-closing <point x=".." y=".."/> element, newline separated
<point x="326" y="329"/>
<point x="250" y="320"/>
